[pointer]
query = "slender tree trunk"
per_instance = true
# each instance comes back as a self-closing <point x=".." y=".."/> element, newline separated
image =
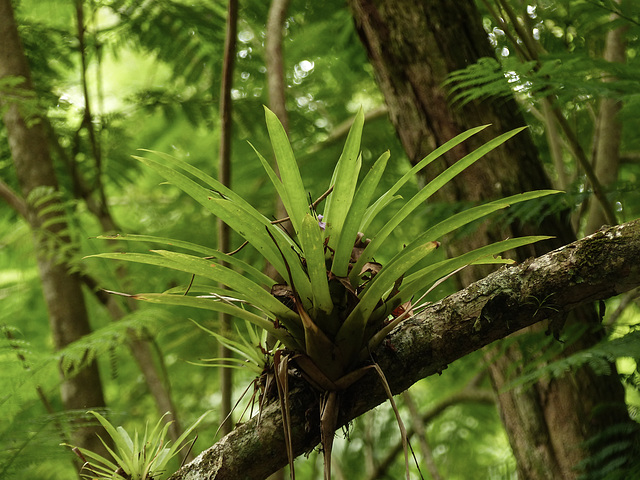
<point x="62" y="289"/>
<point x="276" y="86"/>
<point x="93" y="193"/>
<point x="608" y="132"/>
<point x="412" y="47"/>
<point x="224" y="175"/>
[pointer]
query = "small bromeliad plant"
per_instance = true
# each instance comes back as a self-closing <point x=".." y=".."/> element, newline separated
<point x="139" y="458"/>
<point x="336" y="303"/>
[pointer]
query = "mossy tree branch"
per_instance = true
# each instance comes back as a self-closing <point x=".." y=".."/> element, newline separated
<point x="597" y="267"/>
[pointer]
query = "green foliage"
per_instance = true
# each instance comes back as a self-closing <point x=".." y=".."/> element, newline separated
<point x="340" y="312"/>
<point x="250" y="344"/>
<point x="599" y="358"/>
<point x="617" y="450"/>
<point x="337" y="303"/>
<point x="12" y="92"/>
<point x="100" y="343"/>
<point x="564" y="76"/>
<point x="153" y="81"/>
<point x="137" y="458"/>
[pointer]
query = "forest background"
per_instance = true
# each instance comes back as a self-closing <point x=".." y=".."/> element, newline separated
<point x="112" y="77"/>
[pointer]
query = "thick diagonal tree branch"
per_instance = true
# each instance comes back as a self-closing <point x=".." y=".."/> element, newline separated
<point x="597" y="267"/>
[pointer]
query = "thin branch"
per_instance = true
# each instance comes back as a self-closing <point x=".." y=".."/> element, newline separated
<point x="578" y="153"/>
<point x="14" y="200"/>
<point x="87" y="119"/>
<point x="533" y="48"/>
<point x="504" y="26"/>
<point x="275" y="60"/>
<point x="224" y="175"/>
<point x="421" y="431"/>
<point x="615" y="11"/>
<point x="625" y="300"/>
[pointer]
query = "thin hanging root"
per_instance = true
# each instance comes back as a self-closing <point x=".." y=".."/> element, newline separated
<point x="403" y="430"/>
<point x="281" y="366"/>
<point x="234" y="409"/>
<point x="329" y="406"/>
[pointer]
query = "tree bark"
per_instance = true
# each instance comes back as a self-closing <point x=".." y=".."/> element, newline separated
<point x="413" y="46"/>
<point x="68" y="316"/>
<point x="594" y="268"/>
<point x="224" y="175"/>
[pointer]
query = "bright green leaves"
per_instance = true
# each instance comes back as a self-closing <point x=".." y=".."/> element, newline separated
<point x="141" y="457"/>
<point x="295" y="196"/>
<point x="313" y="247"/>
<point x="345" y="178"/>
<point x="419" y="198"/>
<point x="353" y="219"/>
<point x="244" y="288"/>
<point x="336" y="298"/>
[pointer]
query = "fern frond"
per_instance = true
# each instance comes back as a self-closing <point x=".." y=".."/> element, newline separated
<point x="102" y="341"/>
<point x="599" y="358"/>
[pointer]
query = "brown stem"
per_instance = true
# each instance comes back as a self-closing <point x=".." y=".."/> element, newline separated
<point x="533" y="48"/>
<point x="275" y="60"/>
<point x="224" y="175"/>
<point x="14" y="200"/>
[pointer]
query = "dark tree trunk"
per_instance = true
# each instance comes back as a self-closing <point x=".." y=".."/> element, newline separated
<point x="413" y="46"/>
<point x="62" y="289"/>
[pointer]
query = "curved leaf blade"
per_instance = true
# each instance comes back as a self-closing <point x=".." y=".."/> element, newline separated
<point x="345" y="177"/>
<point x="313" y="247"/>
<point x="429" y="190"/>
<point x="351" y="225"/>
<point x="295" y="196"/>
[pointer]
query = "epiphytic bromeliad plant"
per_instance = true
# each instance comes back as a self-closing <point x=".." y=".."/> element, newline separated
<point x="337" y="303"/>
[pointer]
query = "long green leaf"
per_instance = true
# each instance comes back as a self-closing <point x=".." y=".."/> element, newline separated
<point x="389" y="195"/>
<point x="235" y="212"/>
<point x="313" y="247"/>
<point x="288" y="339"/>
<point x="234" y="280"/>
<point x="122" y="461"/>
<point x="295" y="200"/>
<point x="239" y="215"/>
<point x="277" y="183"/>
<point x="465" y="217"/>
<point x="352" y="222"/>
<point x="471" y="214"/>
<point x="261" y="298"/>
<point x="432" y="187"/>
<point x="372" y="212"/>
<point x="344" y="181"/>
<point x="214" y="184"/>
<point x="246" y="221"/>
<point x="426" y="276"/>
<point x="205" y="251"/>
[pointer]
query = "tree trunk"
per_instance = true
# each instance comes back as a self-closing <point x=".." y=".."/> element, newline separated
<point x="594" y="268"/>
<point x="606" y="155"/>
<point x="68" y="317"/>
<point x="413" y="46"/>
